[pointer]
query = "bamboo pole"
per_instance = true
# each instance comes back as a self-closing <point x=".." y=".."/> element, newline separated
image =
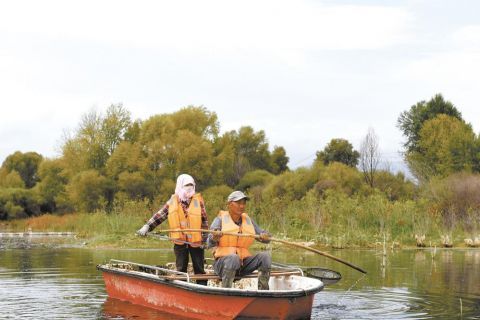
<point x="293" y="244"/>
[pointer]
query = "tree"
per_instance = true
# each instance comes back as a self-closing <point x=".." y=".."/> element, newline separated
<point x="411" y="121"/>
<point x="91" y="142"/>
<point x="127" y="157"/>
<point x="446" y="145"/>
<point x="179" y="142"/>
<point x="253" y="147"/>
<point x="243" y="151"/>
<point x="87" y="191"/>
<point x="134" y="185"/>
<point x="10" y="179"/>
<point x="224" y="158"/>
<point x="164" y="127"/>
<point x="114" y="126"/>
<point x="339" y="150"/>
<point x="95" y="139"/>
<point x="132" y="133"/>
<point x="127" y="169"/>
<point x="279" y="160"/>
<point x="233" y="164"/>
<point x="26" y="164"/>
<point x="198" y="120"/>
<point x="52" y="183"/>
<point x="369" y="157"/>
<point x="193" y="154"/>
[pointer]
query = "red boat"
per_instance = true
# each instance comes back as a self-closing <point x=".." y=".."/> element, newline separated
<point x="290" y="295"/>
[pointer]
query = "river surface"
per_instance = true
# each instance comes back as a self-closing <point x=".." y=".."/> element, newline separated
<point x="58" y="281"/>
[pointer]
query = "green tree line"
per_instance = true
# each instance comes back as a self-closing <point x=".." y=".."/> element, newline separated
<point x="111" y="160"/>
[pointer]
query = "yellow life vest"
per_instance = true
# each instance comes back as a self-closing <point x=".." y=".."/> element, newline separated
<point x="193" y="220"/>
<point x="232" y="244"/>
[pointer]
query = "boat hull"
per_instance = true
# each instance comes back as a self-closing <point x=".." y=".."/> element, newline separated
<point x="200" y="302"/>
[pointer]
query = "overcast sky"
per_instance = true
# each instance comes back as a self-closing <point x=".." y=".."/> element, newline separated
<point x="305" y="72"/>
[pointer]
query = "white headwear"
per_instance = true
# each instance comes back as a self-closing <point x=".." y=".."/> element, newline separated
<point x="183" y="192"/>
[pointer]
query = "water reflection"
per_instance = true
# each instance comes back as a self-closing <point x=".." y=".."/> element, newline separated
<point x="63" y="283"/>
<point x="113" y="309"/>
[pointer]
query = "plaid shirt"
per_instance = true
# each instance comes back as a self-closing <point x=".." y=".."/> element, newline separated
<point x="162" y="215"/>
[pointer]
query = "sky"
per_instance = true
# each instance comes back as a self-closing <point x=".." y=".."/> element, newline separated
<point x="305" y="72"/>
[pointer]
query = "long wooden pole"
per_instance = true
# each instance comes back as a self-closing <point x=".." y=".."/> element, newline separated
<point x="293" y="244"/>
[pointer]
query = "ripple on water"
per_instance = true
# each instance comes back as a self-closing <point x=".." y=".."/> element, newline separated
<point x="42" y="290"/>
<point x="386" y="303"/>
<point x="71" y="288"/>
<point x="390" y="303"/>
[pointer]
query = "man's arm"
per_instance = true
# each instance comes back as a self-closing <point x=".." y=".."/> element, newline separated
<point x="216" y="225"/>
<point x="204" y="221"/>
<point x="260" y="231"/>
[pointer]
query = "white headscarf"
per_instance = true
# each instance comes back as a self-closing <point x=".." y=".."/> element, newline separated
<point x="184" y="193"/>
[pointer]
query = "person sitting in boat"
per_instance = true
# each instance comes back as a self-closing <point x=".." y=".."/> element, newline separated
<point x="184" y="210"/>
<point x="231" y="252"/>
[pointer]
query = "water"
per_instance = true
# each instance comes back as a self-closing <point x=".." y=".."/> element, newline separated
<point x="61" y="282"/>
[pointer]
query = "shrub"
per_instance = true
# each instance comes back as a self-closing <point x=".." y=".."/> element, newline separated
<point x="339" y="177"/>
<point x="291" y="185"/>
<point x="395" y="187"/>
<point x="254" y="178"/>
<point x="457" y="199"/>
<point x="18" y="203"/>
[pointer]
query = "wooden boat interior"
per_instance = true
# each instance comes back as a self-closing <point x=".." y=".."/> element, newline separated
<point x="280" y="279"/>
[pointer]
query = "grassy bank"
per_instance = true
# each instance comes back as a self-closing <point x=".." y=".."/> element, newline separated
<point x="335" y="221"/>
<point x="115" y="229"/>
<point x="340" y="221"/>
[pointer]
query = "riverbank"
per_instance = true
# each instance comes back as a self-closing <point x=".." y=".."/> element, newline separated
<point x="117" y="230"/>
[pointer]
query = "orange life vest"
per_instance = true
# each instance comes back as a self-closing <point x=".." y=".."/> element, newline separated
<point x="193" y="220"/>
<point x="233" y="244"/>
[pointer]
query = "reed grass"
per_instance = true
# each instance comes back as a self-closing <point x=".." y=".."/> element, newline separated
<point x="335" y="220"/>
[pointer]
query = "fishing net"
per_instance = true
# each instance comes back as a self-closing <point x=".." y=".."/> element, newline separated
<point x="327" y="276"/>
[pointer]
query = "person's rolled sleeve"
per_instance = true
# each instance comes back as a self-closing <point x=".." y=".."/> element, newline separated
<point x="216" y="225"/>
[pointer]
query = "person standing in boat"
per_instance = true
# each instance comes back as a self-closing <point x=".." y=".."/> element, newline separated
<point x="184" y="210"/>
<point x="231" y="252"/>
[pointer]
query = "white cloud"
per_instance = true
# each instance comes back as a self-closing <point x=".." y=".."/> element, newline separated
<point x="467" y="37"/>
<point x="304" y="71"/>
<point x="454" y="72"/>
<point x="210" y="25"/>
<point x="446" y="70"/>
